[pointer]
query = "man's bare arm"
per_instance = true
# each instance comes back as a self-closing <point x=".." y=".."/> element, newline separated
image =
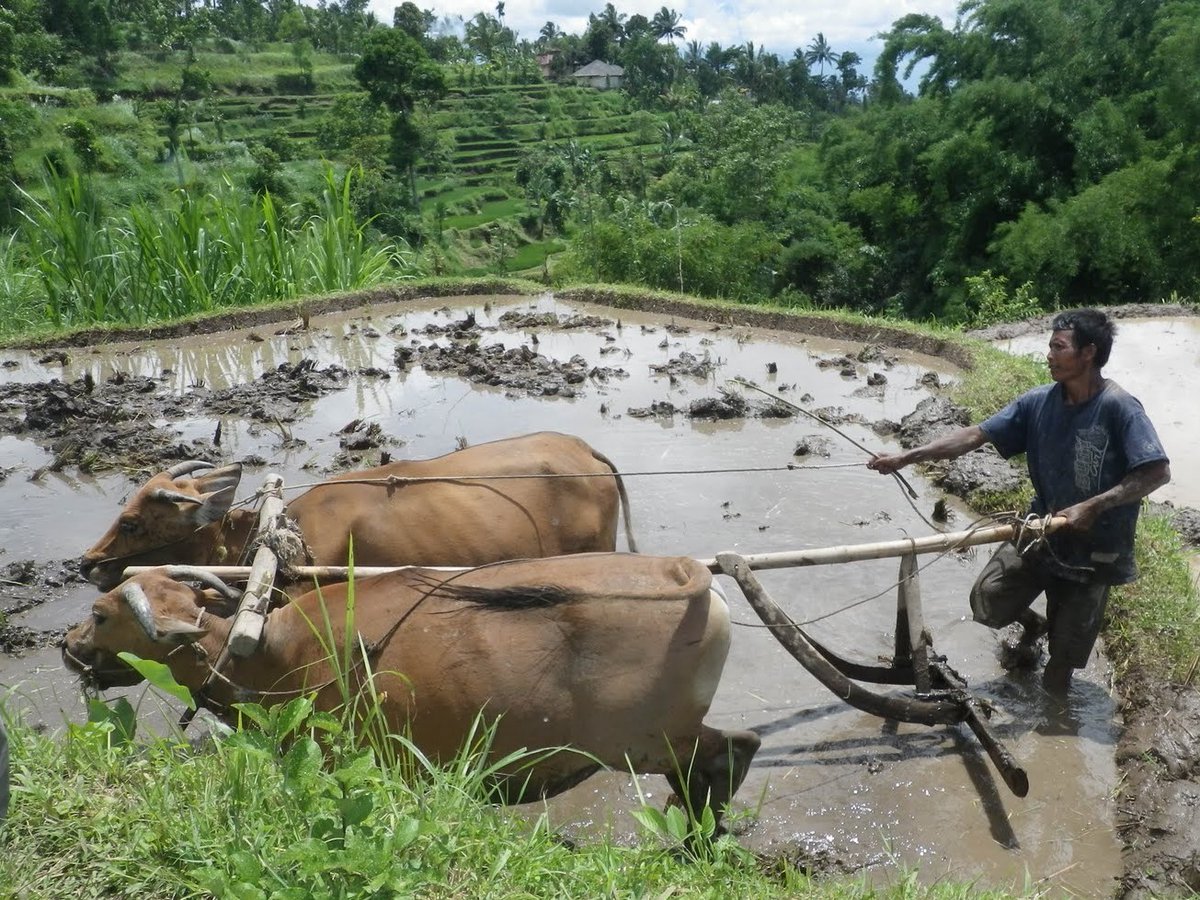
<point x="1133" y="487"/>
<point x="950" y="446"/>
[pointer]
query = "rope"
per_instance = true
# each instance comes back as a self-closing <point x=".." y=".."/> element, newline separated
<point x="397" y="480"/>
<point x="900" y="480"/>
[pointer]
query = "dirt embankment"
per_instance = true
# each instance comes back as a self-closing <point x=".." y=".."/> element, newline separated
<point x="98" y="426"/>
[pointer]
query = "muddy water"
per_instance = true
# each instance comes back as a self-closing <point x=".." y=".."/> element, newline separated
<point x="830" y="783"/>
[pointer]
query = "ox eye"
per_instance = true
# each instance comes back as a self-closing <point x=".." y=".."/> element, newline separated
<point x="130" y="526"/>
<point x="98" y="618"/>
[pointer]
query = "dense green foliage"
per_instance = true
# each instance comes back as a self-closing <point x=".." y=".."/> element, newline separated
<point x="1047" y="158"/>
<point x="1049" y="143"/>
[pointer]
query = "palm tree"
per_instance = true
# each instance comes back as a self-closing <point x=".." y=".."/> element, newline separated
<point x="549" y="37"/>
<point x="820" y="53"/>
<point x="614" y="20"/>
<point x="665" y="24"/>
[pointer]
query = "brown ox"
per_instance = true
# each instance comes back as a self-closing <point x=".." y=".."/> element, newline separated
<point x="183" y="515"/>
<point x="614" y="655"/>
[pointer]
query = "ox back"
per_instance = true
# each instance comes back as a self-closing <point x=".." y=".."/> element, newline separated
<point x="554" y="495"/>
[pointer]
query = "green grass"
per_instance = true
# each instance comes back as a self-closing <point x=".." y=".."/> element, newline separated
<point x="1154" y="623"/>
<point x="490" y="211"/>
<point x="243" y="819"/>
<point x="529" y="257"/>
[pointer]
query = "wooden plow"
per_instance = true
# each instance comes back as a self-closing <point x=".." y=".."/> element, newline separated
<point x="940" y="695"/>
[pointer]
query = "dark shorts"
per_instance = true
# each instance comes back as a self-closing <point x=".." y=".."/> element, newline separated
<point x="1009" y="584"/>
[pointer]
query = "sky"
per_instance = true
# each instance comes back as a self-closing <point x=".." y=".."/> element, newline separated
<point x="780" y="26"/>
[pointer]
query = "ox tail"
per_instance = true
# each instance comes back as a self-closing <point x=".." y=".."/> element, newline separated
<point x="626" y="513"/>
<point x="515" y="597"/>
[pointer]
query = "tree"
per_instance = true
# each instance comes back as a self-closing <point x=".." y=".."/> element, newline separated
<point x="395" y="71"/>
<point x="614" y="20"/>
<point x="665" y="24"/>
<point x="650" y="68"/>
<point x="487" y="37"/>
<point x="850" y="81"/>
<point x="820" y="54"/>
<point x="548" y="35"/>
<point x="410" y="19"/>
<point x="8" y="48"/>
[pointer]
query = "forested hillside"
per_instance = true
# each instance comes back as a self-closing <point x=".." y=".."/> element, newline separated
<point x="1047" y="157"/>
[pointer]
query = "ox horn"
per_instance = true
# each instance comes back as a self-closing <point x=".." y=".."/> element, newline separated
<point x="140" y="604"/>
<point x="205" y="577"/>
<point x="174" y="496"/>
<point x="187" y="468"/>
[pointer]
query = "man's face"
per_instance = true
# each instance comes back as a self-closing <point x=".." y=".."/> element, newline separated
<point x="1067" y="361"/>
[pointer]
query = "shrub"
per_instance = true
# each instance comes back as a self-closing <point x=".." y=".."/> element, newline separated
<point x="989" y="301"/>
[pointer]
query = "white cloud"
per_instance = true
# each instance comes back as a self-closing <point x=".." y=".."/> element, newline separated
<point x="778" y="25"/>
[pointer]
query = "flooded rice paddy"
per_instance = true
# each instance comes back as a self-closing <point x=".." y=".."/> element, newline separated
<point x="831" y="786"/>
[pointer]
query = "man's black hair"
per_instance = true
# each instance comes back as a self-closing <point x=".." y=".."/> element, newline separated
<point x="1088" y="326"/>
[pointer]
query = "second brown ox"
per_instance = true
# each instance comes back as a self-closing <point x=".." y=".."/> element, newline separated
<point x="453" y="518"/>
<point x="615" y="656"/>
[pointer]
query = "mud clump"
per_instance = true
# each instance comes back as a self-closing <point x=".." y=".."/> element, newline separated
<point x="984" y="469"/>
<point x="525" y="321"/>
<point x="98" y="426"/>
<point x="663" y="408"/>
<point x="685" y="364"/>
<point x="518" y="371"/>
<point x="278" y="394"/>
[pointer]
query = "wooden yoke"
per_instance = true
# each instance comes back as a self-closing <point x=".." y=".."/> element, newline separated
<point x="247" y="628"/>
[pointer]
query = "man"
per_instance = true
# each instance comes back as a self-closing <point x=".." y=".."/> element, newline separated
<point x="1092" y="455"/>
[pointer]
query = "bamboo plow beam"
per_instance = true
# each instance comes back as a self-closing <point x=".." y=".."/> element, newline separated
<point x="822" y="556"/>
<point x="246" y="632"/>
<point x="933" y="543"/>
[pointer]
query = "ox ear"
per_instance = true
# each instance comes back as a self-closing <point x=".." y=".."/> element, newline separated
<point x="177" y="631"/>
<point x="217" y="603"/>
<point x="217" y="489"/>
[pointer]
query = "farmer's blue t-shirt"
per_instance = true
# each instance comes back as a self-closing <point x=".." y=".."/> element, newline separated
<point x="1077" y="452"/>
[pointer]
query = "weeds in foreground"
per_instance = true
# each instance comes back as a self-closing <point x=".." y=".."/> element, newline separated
<point x="240" y="818"/>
